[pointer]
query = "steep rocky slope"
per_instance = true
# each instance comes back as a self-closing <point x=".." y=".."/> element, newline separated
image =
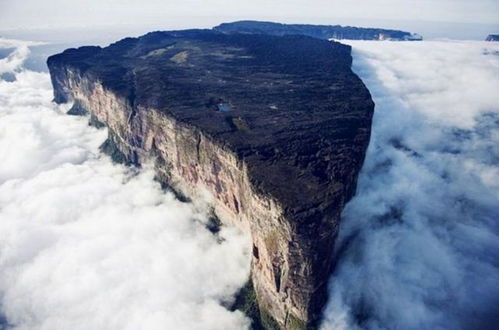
<point x="273" y="129"/>
<point x="317" y="31"/>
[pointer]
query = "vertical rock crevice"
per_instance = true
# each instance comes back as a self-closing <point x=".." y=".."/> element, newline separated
<point x="282" y="172"/>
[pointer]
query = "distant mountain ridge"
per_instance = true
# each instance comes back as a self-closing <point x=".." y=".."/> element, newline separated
<point x="317" y="31"/>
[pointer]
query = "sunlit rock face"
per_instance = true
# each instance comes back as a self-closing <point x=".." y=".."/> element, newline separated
<point x="272" y="131"/>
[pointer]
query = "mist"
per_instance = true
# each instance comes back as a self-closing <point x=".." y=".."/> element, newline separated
<point x="88" y="244"/>
<point x="419" y="244"/>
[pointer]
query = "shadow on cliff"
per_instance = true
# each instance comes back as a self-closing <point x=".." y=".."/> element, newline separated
<point x="418" y="244"/>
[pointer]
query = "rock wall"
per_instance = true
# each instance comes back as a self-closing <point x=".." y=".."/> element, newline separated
<point x="291" y="260"/>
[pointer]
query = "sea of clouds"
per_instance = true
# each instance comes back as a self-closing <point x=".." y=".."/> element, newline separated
<point x="87" y="244"/>
<point x="419" y="244"/>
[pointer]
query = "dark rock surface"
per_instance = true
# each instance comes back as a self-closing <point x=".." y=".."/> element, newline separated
<point x="492" y="37"/>
<point x="276" y="128"/>
<point x="296" y="106"/>
<point x="316" y="31"/>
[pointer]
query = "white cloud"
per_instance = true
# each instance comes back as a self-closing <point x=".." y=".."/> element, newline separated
<point x="86" y="244"/>
<point x="420" y="241"/>
<point x="15" y="59"/>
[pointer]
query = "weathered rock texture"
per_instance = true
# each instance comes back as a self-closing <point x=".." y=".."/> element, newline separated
<point x="273" y="128"/>
<point x="317" y="31"/>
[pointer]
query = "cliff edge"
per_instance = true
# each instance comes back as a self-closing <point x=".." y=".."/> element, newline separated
<point x="273" y="128"/>
<point x="337" y="32"/>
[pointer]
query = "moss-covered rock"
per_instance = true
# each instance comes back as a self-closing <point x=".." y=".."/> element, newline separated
<point x="246" y="302"/>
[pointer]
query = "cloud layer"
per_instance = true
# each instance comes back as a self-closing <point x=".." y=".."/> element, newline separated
<point x="86" y="244"/>
<point x="419" y="244"/>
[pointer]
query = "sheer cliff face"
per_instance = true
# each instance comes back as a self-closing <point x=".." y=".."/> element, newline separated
<point x="273" y="129"/>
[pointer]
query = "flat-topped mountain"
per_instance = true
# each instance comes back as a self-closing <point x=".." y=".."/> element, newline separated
<point x="317" y="31"/>
<point x="273" y="128"/>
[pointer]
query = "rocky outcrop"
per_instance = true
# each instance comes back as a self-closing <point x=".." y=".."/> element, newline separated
<point x="337" y="32"/>
<point x="492" y="37"/>
<point x="273" y="129"/>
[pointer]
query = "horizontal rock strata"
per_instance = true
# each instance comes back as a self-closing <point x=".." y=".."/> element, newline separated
<point x="274" y="129"/>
